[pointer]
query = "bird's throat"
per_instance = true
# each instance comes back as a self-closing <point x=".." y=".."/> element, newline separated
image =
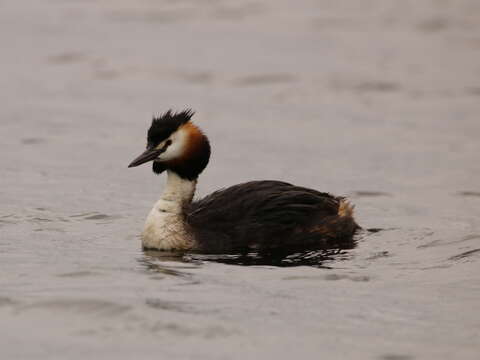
<point x="165" y="227"/>
<point x="178" y="191"/>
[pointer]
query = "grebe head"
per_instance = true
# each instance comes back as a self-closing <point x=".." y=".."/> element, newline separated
<point x="175" y="143"/>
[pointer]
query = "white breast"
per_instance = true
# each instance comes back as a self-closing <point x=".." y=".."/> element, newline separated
<point x="165" y="227"/>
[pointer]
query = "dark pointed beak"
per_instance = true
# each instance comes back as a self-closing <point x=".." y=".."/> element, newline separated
<point x="146" y="156"/>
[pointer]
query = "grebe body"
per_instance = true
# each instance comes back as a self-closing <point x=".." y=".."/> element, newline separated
<point x="257" y="215"/>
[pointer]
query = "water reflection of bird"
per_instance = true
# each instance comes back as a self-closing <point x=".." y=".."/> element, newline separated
<point x="257" y="215"/>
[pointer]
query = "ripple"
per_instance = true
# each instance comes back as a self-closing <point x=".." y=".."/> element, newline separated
<point x="40" y="219"/>
<point x="200" y="77"/>
<point x="396" y="357"/>
<point x="176" y="306"/>
<point x="439" y="242"/>
<point x="82" y="306"/>
<point x="469" y="193"/>
<point x="374" y="230"/>
<point x="5" y="301"/>
<point x="433" y="25"/>
<point x="378" y="255"/>
<point x="473" y="91"/>
<point x="239" y="12"/>
<point x="6" y="222"/>
<point x="181" y="329"/>
<point x="151" y="263"/>
<point x="463" y="255"/>
<point x="98" y="217"/>
<point x="331" y="277"/>
<point x="151" y="16"/>
<point x="366" y="193"/>
<point x="95" y="216"/>
<point x="361" y="278"/>
<point x="76" y="274"/>
<point x="66" y="58"/>
<point x="377" y="86"/>
<point x="264" y="79"/>
<point x="32" y="141"/>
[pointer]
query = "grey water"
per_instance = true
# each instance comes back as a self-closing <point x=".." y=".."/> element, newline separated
<point x="376" y="100"/>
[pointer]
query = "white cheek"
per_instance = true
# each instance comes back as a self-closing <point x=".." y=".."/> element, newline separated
<point x="177" y="148"/>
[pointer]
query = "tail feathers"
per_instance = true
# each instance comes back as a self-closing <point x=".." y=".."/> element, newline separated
<point x="345" y="209"/>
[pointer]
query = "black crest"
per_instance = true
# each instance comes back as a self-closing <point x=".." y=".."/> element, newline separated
<point x="162" y="127"/>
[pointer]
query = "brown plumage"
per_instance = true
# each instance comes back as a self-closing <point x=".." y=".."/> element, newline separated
<point x="270" y="215"/>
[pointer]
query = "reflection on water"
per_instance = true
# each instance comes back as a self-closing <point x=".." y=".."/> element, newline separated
<point x="155" y="262"/>
<point x="278" y="257"/>
<point x="319" y="257"/>
<point x="316" y="258"/>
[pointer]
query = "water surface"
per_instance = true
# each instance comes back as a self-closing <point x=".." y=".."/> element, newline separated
<point x="378" y="101"/>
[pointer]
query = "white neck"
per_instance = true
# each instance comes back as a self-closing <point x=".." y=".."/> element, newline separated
<point x="178" y="191"/>
<point x="165" y="227"/>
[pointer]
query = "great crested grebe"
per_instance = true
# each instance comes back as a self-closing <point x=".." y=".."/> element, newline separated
<point x="257" y="215"/>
